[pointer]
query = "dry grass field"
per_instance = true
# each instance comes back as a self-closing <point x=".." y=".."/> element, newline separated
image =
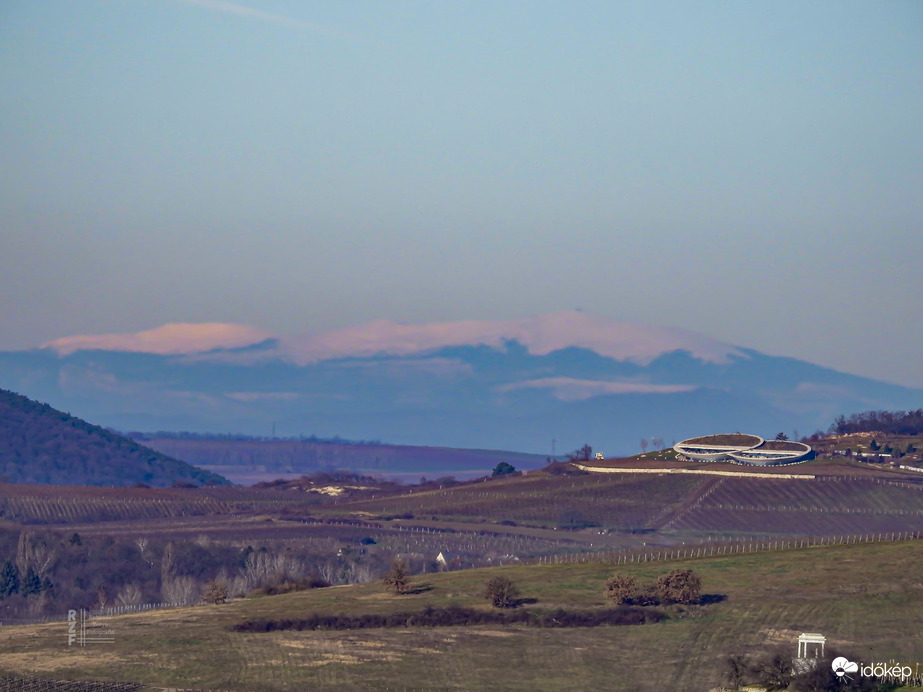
<point x="866" y="598"/>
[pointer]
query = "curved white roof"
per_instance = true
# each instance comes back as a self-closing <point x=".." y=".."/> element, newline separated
<point x="750" y="450"/>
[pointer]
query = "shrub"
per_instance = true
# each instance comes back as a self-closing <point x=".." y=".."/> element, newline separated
<point x="504" y="468"/>
<point x="289" y="587"/>
<point x="680" y="586"/>
<point x="502" y="593"/>
<point x="622" y="589"/>
<point x="215" y="592"/>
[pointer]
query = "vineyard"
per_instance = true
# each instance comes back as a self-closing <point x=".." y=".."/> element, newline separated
<point x="131" y="546"/>
<point x="40" y="504"/>
<point x="822" y="507"/>
<point x="625" y="502"/>
<point x="15" y="683"/>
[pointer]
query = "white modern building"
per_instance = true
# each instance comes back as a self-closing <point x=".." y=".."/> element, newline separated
<point x="739" y="448"/>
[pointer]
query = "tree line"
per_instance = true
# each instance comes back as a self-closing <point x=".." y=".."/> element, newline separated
<point x="46" y="573"/>
<point x="888" y="422"/>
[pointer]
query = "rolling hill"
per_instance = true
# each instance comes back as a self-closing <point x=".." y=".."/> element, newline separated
<point x="39" y="444"/>
<point x="247" y="461"/>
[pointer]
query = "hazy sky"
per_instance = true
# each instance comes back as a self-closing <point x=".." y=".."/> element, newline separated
<point x="750" y="170"/>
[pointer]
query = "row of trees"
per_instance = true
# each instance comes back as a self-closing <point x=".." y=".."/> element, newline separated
<point x="500" y="591"/>
<point x="681" y="586"/>
<point x="888" y="422"/>
<point x="42" y="572"/>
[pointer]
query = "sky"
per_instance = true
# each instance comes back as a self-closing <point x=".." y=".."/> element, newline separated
<point x="752" y="171"/>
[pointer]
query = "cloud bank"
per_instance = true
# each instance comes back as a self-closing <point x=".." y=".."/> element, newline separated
<point x="541" y="335"/>
<point x="170" y="339"/>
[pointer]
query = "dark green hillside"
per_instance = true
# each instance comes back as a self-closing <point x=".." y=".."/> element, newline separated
<point x="39" y="444"/>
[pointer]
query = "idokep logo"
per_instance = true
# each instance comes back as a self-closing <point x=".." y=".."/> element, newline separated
<point x="887" y="671"/>
<point x="842" y="665"/>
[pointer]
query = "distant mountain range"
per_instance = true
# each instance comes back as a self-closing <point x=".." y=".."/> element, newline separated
<point x="559" y="380"/>
<point x="39" y="444"/>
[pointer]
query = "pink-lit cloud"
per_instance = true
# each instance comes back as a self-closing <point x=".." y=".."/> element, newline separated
<point x="541" y="335"/>
<point x="170" y="339"/>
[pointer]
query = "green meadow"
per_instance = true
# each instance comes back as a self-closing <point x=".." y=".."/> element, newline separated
<point x="866" y="599"/>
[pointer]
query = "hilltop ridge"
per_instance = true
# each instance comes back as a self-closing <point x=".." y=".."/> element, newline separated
<point x="39" y="444"/>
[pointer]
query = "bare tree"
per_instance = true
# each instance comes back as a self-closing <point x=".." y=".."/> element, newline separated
<point x="735" y="670"/>
<point x="644" y="445"/>
<point x="585" y="453"/>
<point x="180" y="591"/>
<point x="328" y="571"/>
<point x="130" y="594"/>
<point x="102" y="597"/>
<point x="657" y="442"/>
<point x="168" y="563"/>
<point x="774" y="669"/>
<point x="142" y="542"/>
<point x="266" y="569"/>
<point x="33" y="552"/>
<point x="398" y="577"/>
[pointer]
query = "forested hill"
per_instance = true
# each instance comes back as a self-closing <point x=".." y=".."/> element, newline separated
<point x="39" y="444"/>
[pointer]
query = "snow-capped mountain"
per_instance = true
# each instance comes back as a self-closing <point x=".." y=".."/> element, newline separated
<point x="568" y="377"/>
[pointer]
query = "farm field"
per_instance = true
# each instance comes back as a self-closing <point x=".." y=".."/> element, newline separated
<point x="502" y="520"/>
<point x="52" y="504"/>
<point x="865" y="598"/>
<point x="666" y="508"/>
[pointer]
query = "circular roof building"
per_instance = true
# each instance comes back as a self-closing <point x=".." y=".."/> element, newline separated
<point x="751" y="450"/>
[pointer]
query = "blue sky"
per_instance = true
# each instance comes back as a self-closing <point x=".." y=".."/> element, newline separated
<point x="749" y="170"/>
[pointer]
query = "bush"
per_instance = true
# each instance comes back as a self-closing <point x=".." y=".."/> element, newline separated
<point x="680" y="586"/>
<point x="289" y="587"/>
<point x="215" y="592"/>
<point x="622" y="589"/>
<point x="504" y="468"/>
<point x="502" y="593"/>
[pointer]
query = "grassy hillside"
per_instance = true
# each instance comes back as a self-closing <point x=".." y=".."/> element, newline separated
<point x="865" y="598"/>
<point x="39" y="444"/>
